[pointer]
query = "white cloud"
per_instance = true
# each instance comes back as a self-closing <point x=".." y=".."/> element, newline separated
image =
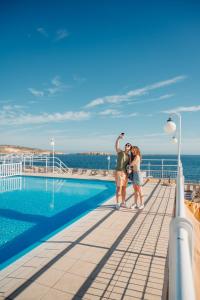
<point x="5" y="101"/>
<point x="183" y="109"/>
<point x="108" y="112"/>
<point x="56" y="81"/>
<point x="164" y="97"/>
<point x="113" y="113"/>
<point x="12" y="108"/>
<point x="35" y="92"/>
<point x="61" y="34"/>
<point x="53" y="90"/>
<point x="167" y="96"/>
<point x="95" y="102"/>
<point x="56" y="86"/>
<point x="154" y="134"/>
<point x="14" y="115"/>
<point x="42" y="31"/>
<point x="130" y="115"/>
<point x="166" y="82"/>
<point x="134" y="93"/>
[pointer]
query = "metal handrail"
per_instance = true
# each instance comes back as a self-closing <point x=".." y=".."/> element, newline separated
<point x="48" y="160"/>
<point x="181" y="282"/>
<point x="159" y="165"/>
<point x="10" y="169"/>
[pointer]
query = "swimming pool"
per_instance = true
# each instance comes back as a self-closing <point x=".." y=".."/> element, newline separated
<point x="35" y="208"/>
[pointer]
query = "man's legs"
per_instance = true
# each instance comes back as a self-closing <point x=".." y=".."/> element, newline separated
<point x="121" y="183"/>
<point x="118" y="188"/>
<point x="124" y="194"/>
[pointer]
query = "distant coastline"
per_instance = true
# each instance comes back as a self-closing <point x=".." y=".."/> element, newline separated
<point x="95" y="153"/>
<point x="11" y="149"/>
<point x="16" y="149"/>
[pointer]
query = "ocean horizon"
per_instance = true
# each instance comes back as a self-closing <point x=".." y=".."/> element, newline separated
<point x="191" y="163"/>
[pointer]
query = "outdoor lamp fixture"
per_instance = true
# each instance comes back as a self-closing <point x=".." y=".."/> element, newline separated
<point x="174" y="140"/>
<point x="108" y="158"/>
<point x="170" y="127"/>
<point x="52" y="143"/>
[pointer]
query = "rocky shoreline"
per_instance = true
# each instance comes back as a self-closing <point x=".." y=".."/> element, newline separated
<point x="96" y="153"/>
<point x="10" y="149"/>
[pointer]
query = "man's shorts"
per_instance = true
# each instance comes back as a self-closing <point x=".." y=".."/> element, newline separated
<point x="121" y="179"/>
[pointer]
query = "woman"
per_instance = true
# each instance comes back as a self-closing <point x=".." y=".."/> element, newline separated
<point x="136" y="177"/>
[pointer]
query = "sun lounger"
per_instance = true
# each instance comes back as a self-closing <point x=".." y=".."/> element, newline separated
<point x="74" y="171"/>
<point x="83" y="171"/>
<point x="105" y="173"/>
<point x="93" y="172"/>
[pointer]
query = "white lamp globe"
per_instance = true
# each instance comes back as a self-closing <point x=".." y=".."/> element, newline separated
<point x="52" y="143"/>
<point x="170" y="126"/>
<point x="174" y="140"/>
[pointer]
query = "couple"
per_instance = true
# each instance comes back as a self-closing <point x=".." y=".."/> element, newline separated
<point x="128" y="166"/>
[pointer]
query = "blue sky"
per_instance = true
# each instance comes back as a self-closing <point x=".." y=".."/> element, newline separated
<point x="84" y="71"/>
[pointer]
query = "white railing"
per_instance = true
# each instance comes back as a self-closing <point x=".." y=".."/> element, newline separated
<point x="13" y="169"/>
<point x="160" y="168"/>
<point x="10" y="184"/>
<point x="156" y="168"/>
<point x="45" y="162"/>
<point x="48" y="163"/>
<point x="181" y="282"/>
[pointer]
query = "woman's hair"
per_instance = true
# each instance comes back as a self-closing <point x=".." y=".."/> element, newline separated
<point x="137" y="151"/>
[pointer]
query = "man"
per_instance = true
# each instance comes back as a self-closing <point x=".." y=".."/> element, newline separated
<point x="121" y="177"/>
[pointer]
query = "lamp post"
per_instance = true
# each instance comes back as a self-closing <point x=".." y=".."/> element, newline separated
<point x="170" y="127"/>
<point x="52" y="202"/>
<point x="52" y="143"/>
<point x="108" y="158"/>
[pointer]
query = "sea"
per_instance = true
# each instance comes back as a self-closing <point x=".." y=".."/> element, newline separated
<point x="191" y="163"/>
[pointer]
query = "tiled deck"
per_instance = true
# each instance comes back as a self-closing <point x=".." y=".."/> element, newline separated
<point x="107" y="254"/>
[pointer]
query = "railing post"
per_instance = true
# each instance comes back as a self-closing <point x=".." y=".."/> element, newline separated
<point x="149" y="168"/>
<point x="24" y="162"/>
<point x="162" y="170"/>
<point x="46" y="164"/>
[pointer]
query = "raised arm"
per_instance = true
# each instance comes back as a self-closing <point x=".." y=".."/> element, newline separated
<point x="117" y="149"/>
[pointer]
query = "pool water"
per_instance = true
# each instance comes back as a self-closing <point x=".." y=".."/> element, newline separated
<point x="33" y="208"/>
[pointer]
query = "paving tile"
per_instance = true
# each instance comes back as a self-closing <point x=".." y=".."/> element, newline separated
<point x="13" y="284"/>
<point x="151" y="297"/>
<point x="115" y="296"/>
<point x="82" y="268"/>
<point x="37" y="262"/>
<point x="33" y="292"/>
<point x="23" y="272"/>
<point x="95" y="292"/>
<point x="50" y="277"/>
<point x="53" y="294"/>
<point x="64" y="263"/>
<point x="69" y="283"/>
